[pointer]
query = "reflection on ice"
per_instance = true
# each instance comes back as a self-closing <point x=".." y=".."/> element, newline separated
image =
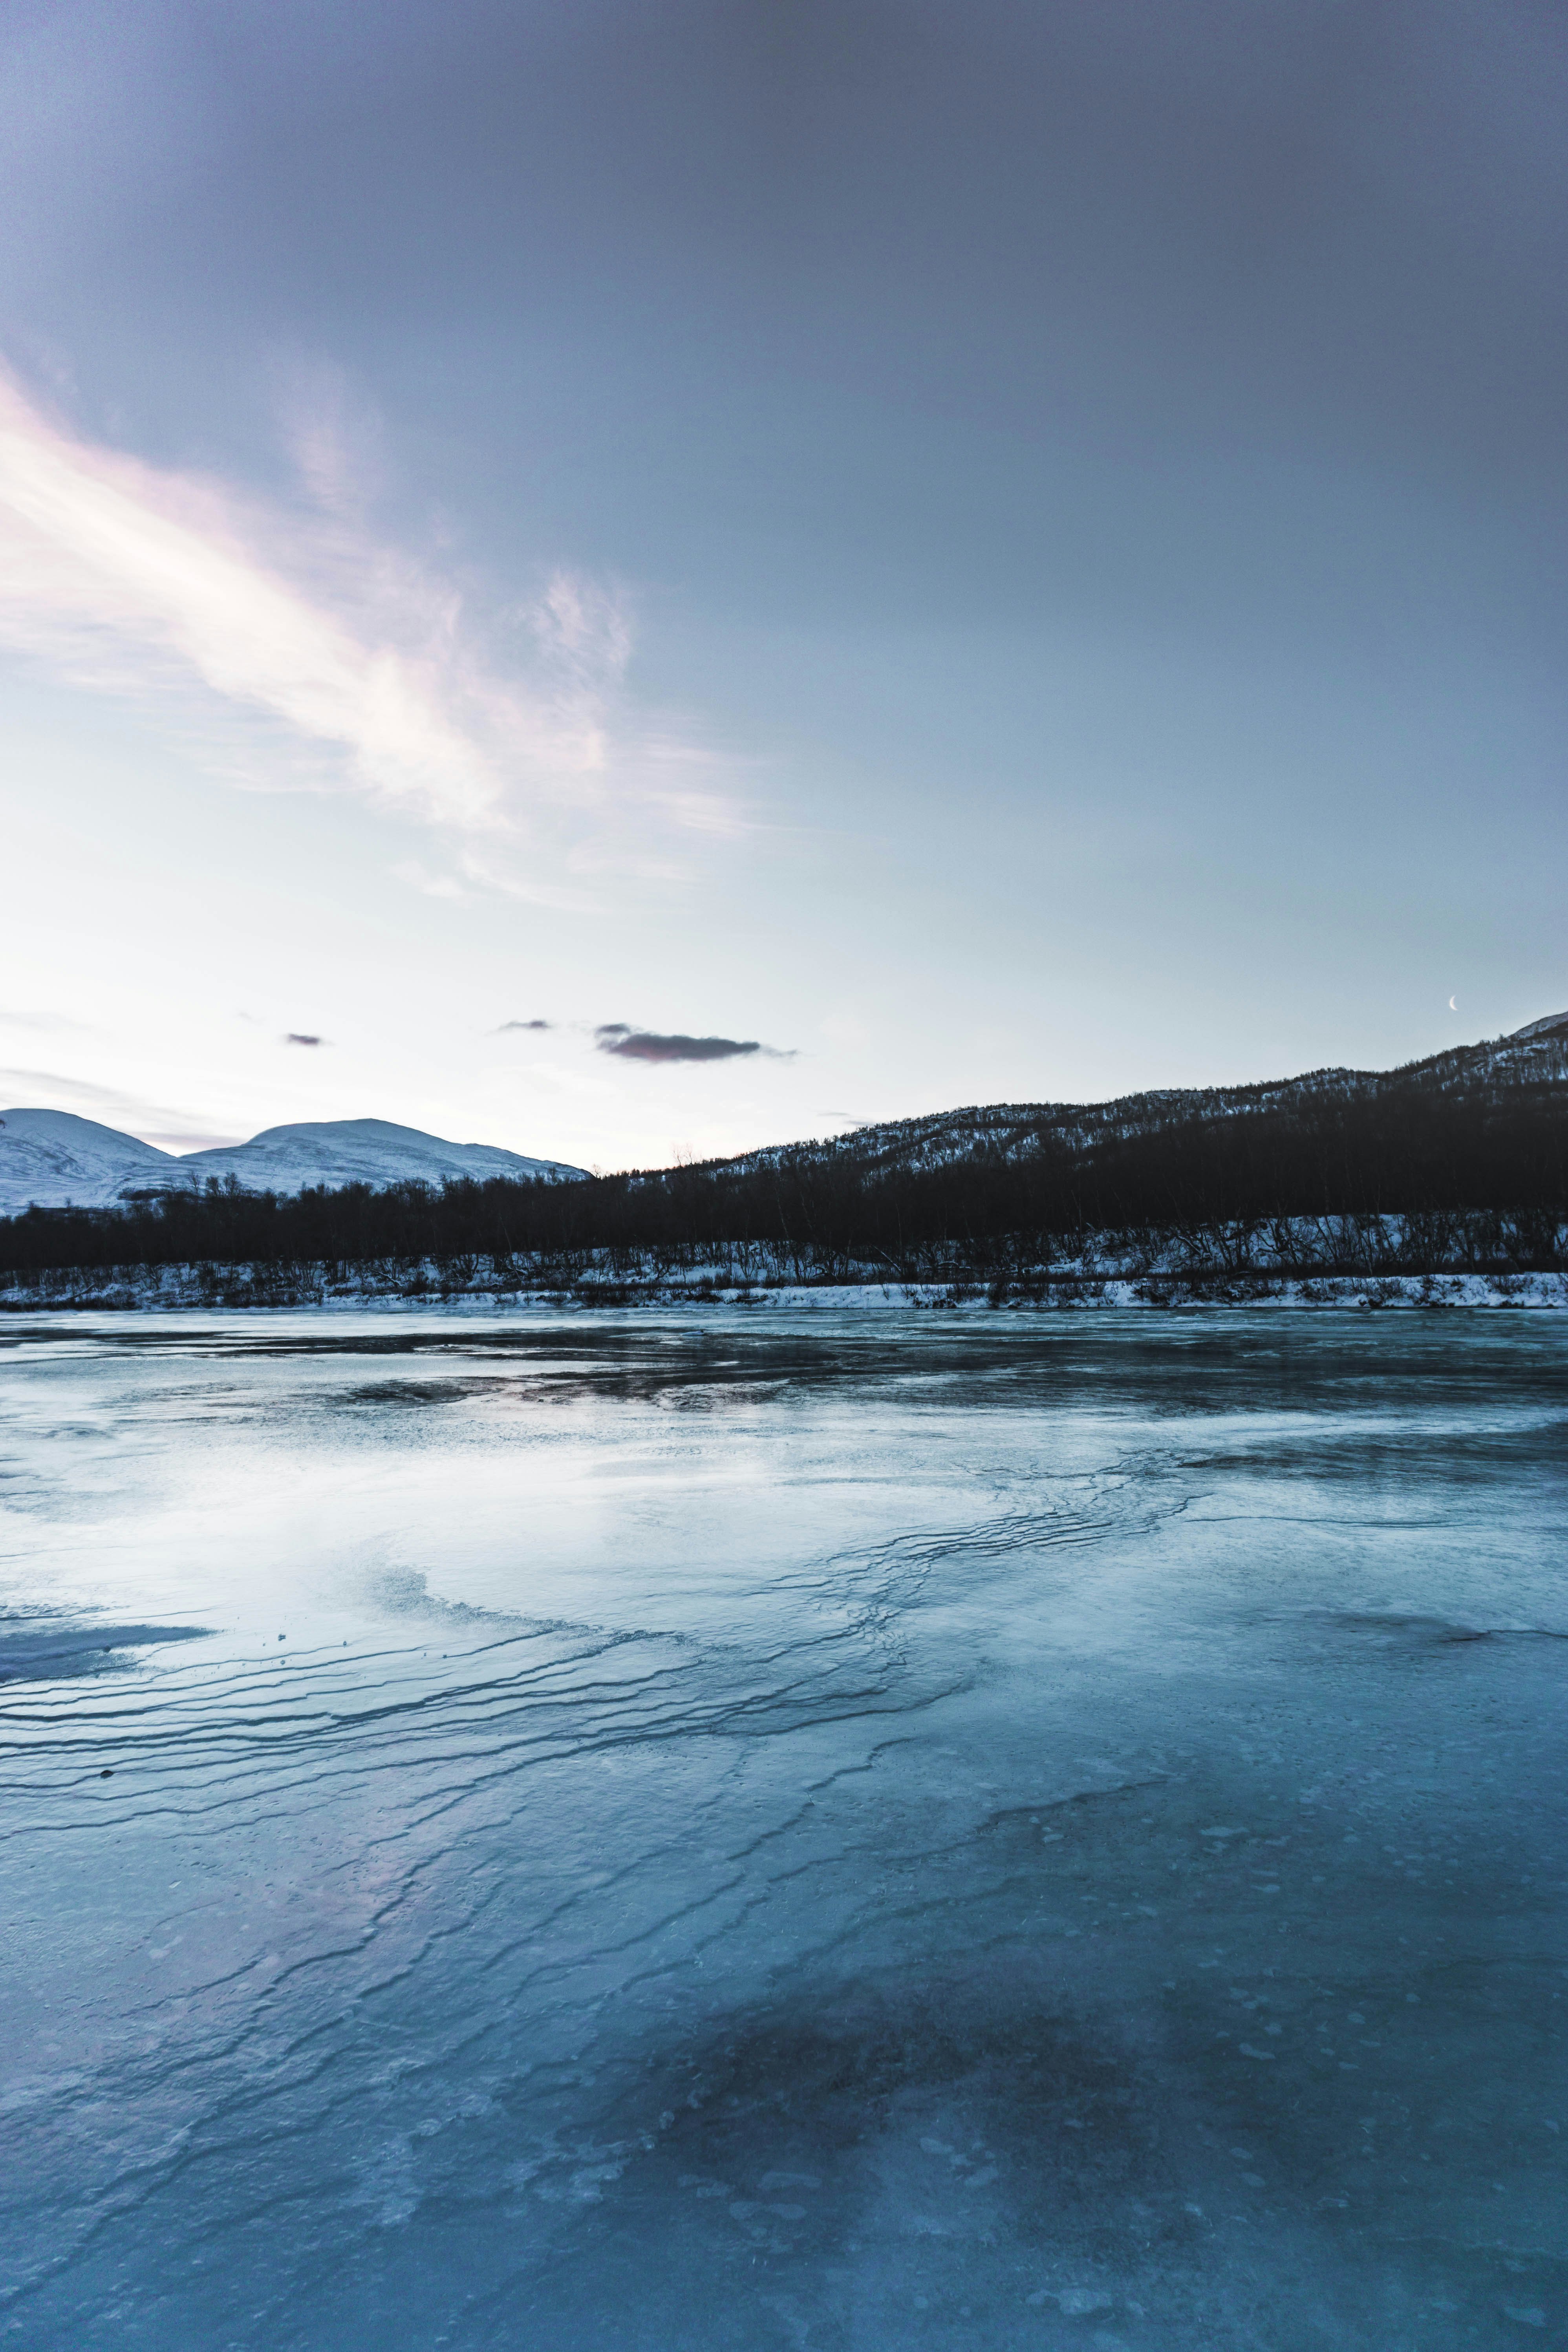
<point x="707" y="1834"/>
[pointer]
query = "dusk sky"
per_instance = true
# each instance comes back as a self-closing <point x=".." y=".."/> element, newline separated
<point x="982" y="553"/>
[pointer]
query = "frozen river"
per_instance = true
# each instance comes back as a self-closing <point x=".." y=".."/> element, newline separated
<point x="663" y="1833"/>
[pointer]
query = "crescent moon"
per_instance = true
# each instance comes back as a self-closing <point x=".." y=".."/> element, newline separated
<point x="1452" y="1006"/>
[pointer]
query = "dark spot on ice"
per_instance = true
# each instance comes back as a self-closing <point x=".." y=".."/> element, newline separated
<point x="1404" y="1631"/>
<point x="107" y="1773"/>
<point x="42" y="1649"/>
<point x="406" y="1591"/>
<point x="903" y="2126"/>
<point x="1029" y="2113"/>
<point x="456" y="1390"/>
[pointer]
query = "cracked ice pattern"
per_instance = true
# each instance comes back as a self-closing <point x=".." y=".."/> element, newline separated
<point x="671" y="1833"/>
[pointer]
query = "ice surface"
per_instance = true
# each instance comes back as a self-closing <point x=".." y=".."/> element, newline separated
<point x="671" y="1833"/>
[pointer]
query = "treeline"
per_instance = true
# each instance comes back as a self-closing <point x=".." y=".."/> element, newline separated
<point x="1470" y="1179"/>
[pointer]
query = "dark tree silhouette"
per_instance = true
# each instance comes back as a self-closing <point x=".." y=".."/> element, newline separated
<point x="1457" y="1163"/>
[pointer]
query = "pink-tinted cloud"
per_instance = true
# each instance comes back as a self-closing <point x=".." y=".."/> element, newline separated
<point x="355" y="664"/>
<point x="631" y="1045"/>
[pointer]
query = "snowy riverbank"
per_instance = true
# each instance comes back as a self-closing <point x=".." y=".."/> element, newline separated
<point x="487" y="1290"/>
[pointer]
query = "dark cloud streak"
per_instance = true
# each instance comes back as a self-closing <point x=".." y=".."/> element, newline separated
<point x="652" y="1045"/>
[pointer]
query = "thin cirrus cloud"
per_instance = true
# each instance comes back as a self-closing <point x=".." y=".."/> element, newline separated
<point x="359" y="665"/>
<point x="651" y="1045"/>
<point x="505" y="1025"/>
<point x="110" y="1106"/>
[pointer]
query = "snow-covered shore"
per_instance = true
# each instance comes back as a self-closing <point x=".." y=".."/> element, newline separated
<point x="488" y="1290"/>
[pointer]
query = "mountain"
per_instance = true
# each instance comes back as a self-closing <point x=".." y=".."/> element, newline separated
<point x="359" y="1151"/>
<point x="51" y="1159"/>
<point x="1455" y="1164"/>
<point x="1477" y="1116"/>
<point x="54" y="1158"/>
<point x="1533" y="1057"/>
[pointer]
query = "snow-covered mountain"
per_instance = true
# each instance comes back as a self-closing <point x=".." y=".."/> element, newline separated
<point x="1533" y="1056"/>
<point x="56" y="1160"/>
<point x="358" y="1151"/>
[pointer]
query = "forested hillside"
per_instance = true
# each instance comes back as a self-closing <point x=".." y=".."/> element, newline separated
<point x="1456" y="1162"/>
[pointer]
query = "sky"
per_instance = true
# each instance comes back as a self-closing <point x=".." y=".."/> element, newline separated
<point x="633" y="581"/>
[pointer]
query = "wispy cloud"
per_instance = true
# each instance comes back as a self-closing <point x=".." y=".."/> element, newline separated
<point x="12" y="1019"/>
<point x="360" y="666"/>
<point x="154" y="1122"/>
<point x="471" y="877"/>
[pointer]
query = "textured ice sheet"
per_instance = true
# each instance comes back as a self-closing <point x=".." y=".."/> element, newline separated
<point x="939" y="1834"/>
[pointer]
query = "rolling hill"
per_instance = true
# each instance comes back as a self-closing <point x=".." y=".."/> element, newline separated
<point x="53" y="1160"/>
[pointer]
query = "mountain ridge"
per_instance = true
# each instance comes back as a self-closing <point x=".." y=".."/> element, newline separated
<point x="55" y="1158"/>
<point x="1536" y="1054"/>
<point x="1455" y="1165"/>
